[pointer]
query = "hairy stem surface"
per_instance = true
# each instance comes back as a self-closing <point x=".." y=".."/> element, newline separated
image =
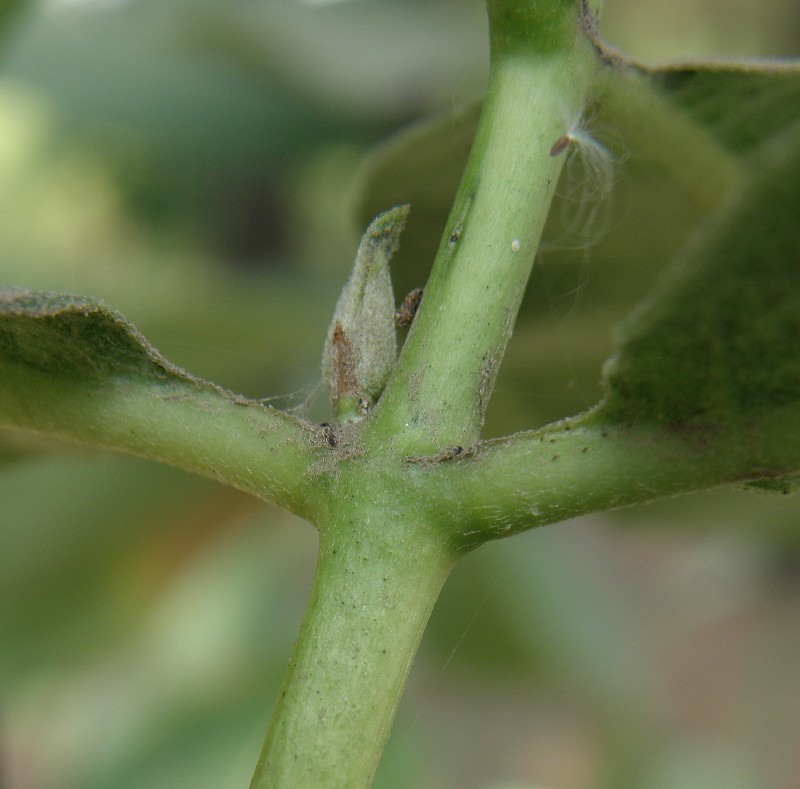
<point x="378" y="577"/>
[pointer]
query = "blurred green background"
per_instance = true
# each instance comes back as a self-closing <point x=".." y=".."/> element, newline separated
<point x="197" y="164"/>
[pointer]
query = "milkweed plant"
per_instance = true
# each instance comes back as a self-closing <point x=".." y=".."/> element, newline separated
<point x="702" y="389"/>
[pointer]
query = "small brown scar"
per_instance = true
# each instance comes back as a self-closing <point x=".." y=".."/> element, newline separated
<point x="456" y="234"/>
<point x="448" y="453"/>
<point x="408" y="309"/>
<point x="561" y="145"/>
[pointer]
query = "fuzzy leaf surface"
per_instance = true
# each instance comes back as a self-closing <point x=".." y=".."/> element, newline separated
<point x="73" y="367"/>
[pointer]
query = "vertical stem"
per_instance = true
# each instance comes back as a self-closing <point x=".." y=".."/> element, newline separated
<point x="376" y="582"/>
<point x="384" y="548"/>
<point x="542" y="64"/>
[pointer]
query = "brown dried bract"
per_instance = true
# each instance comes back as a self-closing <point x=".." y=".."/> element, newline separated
<point x="343" y="363"/>
<point x="408" y="309"/>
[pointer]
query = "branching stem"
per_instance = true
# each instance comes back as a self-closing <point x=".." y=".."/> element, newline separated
<point x="386" y="544"/>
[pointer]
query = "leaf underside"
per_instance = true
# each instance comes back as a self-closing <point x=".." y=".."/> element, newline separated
<point x="720" y="339"/>
<point x="742" y="104"/>
<point x="77" y="338"/>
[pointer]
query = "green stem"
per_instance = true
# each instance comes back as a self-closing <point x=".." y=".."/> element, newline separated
<point x="593" y="464"/>
<point x="378" y="576"/>
<point x="385" y="544"/>
<point x="194" y="426"/>
<point x="542" y="65"/>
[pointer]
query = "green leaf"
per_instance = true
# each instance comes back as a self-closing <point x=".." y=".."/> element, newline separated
<point x="721" y="332"/>
<point x="76" y="338"/>
<point x="742" y="104"/>
<point x="715" y="348"/>
<point x="72" y="367"/>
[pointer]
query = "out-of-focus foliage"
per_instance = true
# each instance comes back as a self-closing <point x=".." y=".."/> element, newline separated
<point x="191" y="163"/>
<point x="717" y="342"/>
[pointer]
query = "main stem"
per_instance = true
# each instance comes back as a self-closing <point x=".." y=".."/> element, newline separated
<point x="542" y="64"/>
<point x="385" y="544"/>
<point x="377" y="579"/>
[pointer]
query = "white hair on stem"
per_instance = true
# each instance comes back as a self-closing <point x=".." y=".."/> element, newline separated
<point x="585" y="187"/>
